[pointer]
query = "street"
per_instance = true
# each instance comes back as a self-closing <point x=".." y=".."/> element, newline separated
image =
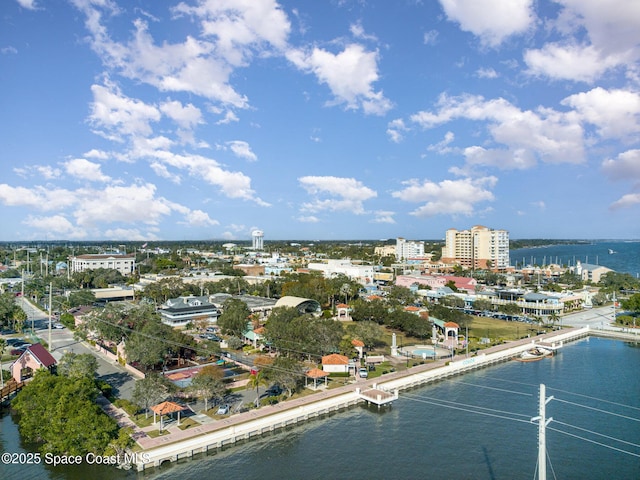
<point x="62" y="341"/>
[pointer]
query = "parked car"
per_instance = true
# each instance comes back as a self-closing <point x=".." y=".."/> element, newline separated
<point x="16" y="342"/>
<point x="363" y="372"/>
<point x="223" y="409"/>
<point x="58" y="325"/>
<point x="19" y="350"/>
<point x="272" y="391"/>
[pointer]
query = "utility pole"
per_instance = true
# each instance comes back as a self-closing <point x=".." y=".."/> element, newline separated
<point x="542" y="425"/>
<point x="50" y="301"/>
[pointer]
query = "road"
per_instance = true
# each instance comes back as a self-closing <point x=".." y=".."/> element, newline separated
<point x="62" y="341"/>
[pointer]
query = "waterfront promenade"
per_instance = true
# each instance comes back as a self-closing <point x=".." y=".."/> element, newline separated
<point x="177" y="443"/>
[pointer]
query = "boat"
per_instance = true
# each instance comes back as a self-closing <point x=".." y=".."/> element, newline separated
<point x="611" y="252"/>
<point x="534" y="354"/>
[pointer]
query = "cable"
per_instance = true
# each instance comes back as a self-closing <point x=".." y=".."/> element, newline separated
<point x="443" y="403"/>
<point x="494" y="388"/>
<point x="594" y="442"/>
<point x="598" y="434"/>
<point x="597" y="410"/>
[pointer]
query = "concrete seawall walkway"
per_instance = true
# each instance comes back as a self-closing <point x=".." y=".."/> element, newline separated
<point x="175" y="434"/>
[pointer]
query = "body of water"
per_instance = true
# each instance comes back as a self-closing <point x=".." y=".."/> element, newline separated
<point x="625" y="259"/>
<point x="475" y="426"/>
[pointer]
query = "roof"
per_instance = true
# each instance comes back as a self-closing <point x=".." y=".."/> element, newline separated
<point x="41" y="355"/>
<point x="451" y="325"/>
<point x="304" y="305"/>
<point x="357" y="343"/>
<point x="335" y="359"/>
<point x="166" y="407"/>
<point x="316" y="373"/>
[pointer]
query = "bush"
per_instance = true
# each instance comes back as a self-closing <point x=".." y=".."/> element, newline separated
<point x="105" y="388"/>
<point x="128" y="406"/>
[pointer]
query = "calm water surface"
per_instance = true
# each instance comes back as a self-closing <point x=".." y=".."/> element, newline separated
<point x="475" y="426"/>
<point x="625" y="259"/>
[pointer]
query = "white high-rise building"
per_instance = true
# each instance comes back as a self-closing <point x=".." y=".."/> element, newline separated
<point x="257" y="237"/>
<point x="480" y="247"/>
<point x="408" y="249"/>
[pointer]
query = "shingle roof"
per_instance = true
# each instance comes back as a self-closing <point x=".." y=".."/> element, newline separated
<point x="41" y="355"/>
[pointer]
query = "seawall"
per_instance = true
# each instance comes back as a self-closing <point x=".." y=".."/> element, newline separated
<point x="267" y="419"/>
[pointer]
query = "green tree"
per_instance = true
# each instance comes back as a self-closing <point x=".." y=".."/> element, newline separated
<point x="632" y="303"/>
<point x="207" y="384"/>
<point x="61" y="415"/>
<point x="257" y="380"/>
<point x="482" y="304"/>
<point x="150" y="391"/>
<point x="286" y="372"/>
<point x="78" y="365"/>
<point x="367" y="331"/>
<point x="234" y="318"/>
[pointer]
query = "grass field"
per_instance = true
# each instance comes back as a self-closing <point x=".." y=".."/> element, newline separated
<point x="497" y="331"/>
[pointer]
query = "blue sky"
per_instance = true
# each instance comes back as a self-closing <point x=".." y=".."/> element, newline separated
<point x="195" y="119"/>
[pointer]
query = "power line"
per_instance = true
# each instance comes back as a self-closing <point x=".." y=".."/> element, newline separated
<point x="598" y="410"/>
<point x="594" y="442"/>
<point x="598" y="434"/>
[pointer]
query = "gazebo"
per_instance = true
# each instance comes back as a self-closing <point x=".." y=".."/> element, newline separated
<point x="316" y="373"/>
<point x="166" y="408"/>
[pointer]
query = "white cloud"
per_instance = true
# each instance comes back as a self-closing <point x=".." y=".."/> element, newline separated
<point x="449" y="197"/>
<point x="85" y="170"/>
<point x="350" y="76"/>
<point x="382" y="216"/>
<point x="240" y="26"/>
<point x="625" y="167"/>
<point x="28" y="4"/>
<point x="346" y="194"/>
<point x="56" y="225"/>
<point x="626" y="201"/>
<point x="95" y="153"/>
<point x="242" y="150"/>
<point x="611" y="40"/>
<point x="357" y="30"/>
<point x="583" y="63"/>
<point x="395" y="130"/>
<point x="491" y="20"/>
<point x="198" y="218"/>
<point x="8" y="50"/>
<point x="486" y="73"/>
<point x="308" y="219"/>
<point x="187" y="116"/>
<point x="119" y="114"/>
<point x="231" y="184"/>
<point x="443" y="146"/>
<point x="37" y="197"/>
<point x="430" y="37"/>
<point x="616" y="113"/>
<point x="546" y="134"/>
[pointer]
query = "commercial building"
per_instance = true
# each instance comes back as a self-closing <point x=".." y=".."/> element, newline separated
<point x="477" y="248"/>
<point x="124" y="263"/>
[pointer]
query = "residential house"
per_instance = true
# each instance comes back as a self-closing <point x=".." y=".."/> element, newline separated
<point x="33" y="358"/>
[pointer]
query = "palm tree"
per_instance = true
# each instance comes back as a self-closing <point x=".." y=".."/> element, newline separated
<point x="255" y="380"/>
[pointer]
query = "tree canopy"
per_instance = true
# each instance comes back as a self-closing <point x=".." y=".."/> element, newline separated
<point x="61" y="415"/>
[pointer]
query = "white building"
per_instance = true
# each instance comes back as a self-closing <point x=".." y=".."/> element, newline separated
<point x="124" y="263"/>
<point x="257" y="237"/>
<point x="360" y="273"/>
<point x="408" y="249"/>
<point x="479" y="247"/>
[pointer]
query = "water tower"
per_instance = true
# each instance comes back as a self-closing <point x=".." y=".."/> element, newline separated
<point x="258" y="239"/>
